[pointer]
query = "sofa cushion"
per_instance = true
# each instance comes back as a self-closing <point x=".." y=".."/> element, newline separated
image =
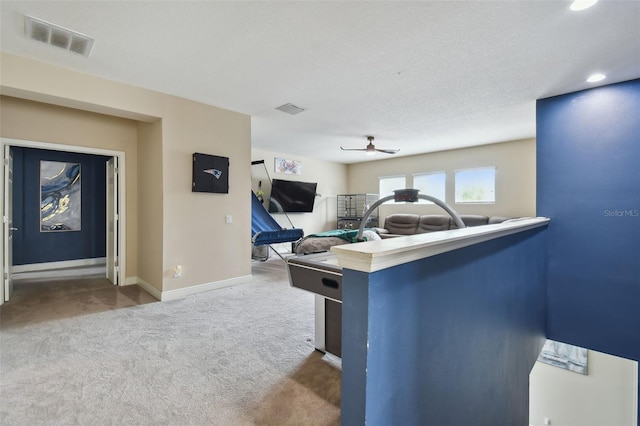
<point x="471" y="220"/>
<point x="432" y="223"/>
<point x="402" y="223"/>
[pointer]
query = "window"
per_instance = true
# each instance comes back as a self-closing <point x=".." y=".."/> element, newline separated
<point x="430" y="184"/>
<point x="476" y="185"/>
<point x="388" y="184"/>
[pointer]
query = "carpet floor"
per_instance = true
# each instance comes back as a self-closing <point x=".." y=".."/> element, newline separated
<point x="81" y="351"/>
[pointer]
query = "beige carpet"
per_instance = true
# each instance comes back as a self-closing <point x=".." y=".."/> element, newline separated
<point x="83" y="352"/>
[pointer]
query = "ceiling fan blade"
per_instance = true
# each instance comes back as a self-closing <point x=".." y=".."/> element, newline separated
<point x="371" y="148"/>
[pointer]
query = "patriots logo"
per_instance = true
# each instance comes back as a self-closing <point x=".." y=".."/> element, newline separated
<point x="214" y="172"/>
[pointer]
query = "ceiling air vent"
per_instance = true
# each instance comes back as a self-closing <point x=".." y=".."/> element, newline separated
<point x="290" y="109"/>
<point x="46" y="32"/>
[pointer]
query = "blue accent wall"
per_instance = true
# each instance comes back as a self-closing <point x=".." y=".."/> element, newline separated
<point x="588" y="183"/>
<point x="32" y="246"/>
<point x="446" y="340"/>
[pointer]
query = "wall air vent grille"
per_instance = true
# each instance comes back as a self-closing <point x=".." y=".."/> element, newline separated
<point x="46" y="32"/>
<point x="290" y="109"/>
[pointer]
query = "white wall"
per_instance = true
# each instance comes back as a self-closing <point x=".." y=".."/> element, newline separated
<point x="331" y="179"/>
<point x="606" y="396"/>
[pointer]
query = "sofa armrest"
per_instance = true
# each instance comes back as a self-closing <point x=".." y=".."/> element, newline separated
<point x="498" y="219"/>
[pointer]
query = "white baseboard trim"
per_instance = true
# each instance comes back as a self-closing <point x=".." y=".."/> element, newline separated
<point x="187" y="291"/>
<point x="130" y="281"/>
<point x="635" y="394"/>
<point x="145" y="285"/>
<point x="32" y="267"/>
<point x="180" y="293"/>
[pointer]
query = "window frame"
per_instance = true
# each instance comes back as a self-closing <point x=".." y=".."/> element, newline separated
<point x="442" y="173"/>
<point x="472" y="169"/>
<point x="380" y="178"/>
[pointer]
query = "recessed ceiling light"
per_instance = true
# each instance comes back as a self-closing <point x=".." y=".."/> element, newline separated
<point x="596" y="77"/>
<point x="582" y="4"/>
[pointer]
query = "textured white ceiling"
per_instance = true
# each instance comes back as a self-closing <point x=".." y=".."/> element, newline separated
<point x="419" y="76"/>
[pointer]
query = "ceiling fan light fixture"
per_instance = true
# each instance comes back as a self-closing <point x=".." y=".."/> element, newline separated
<point x="371" y="148"/>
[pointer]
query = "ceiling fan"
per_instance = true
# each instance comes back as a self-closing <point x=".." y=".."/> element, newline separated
<point x="371" y="148"/>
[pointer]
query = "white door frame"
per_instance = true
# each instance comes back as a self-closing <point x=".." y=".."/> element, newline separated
<point x="7" y="226"/>
<point x="112" y="220"/>
<point x="121" y="249"/>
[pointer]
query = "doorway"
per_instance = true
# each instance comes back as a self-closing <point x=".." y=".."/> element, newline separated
<point x="112" y="210"/>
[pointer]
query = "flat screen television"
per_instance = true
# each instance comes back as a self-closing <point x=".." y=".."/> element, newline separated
<point x="292" y="196"/>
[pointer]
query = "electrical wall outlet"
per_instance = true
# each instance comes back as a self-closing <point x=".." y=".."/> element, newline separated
<point x="229" y="218"/>
<point x="177" y="271"/>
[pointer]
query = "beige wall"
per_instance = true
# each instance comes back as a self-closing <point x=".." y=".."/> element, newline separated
<point x="149" y="223"/>
<point x="606" y="396"/>
<point x="330" y="177"/>
<point x="195" y="233"/>
<point x="515" y="177"/>
<point x="34" y="121"/>
<point x="189" y="229"/>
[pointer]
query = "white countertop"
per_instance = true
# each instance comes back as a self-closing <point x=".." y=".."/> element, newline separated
<point x="371" y="256"/>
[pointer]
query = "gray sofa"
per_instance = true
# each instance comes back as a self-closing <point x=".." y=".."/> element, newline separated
<point x="398" y="225"/>
<point x="402" y="224"/>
